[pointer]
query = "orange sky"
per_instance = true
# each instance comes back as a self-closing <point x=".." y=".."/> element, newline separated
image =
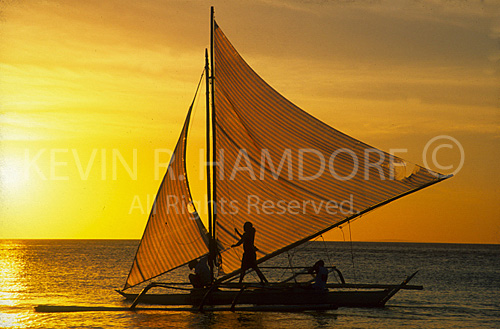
<point x="86" y="85"/>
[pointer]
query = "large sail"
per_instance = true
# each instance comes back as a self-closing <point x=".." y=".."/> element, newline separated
<point x="174" y="234"/>
<point x="285" y="171"/>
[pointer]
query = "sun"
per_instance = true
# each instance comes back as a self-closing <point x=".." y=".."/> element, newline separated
<point x="12" y="175"/>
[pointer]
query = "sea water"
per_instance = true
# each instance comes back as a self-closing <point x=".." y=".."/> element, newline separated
<point x="461" y="286"/>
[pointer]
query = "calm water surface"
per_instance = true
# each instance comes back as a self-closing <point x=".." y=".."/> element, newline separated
<point x="461" y="286"/>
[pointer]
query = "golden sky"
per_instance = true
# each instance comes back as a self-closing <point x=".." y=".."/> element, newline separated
<point x="91" y="91"/>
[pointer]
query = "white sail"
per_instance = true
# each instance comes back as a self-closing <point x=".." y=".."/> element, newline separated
<point x="285" y="171"/>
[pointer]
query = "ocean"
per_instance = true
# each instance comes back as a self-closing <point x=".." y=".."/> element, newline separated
<point x="461" y="286"/>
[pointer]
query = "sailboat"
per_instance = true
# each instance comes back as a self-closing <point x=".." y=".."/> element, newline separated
<point x="274" y="165"/>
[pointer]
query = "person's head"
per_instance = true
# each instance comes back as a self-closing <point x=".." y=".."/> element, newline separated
<point x="247" y="226"/>
<point x="320" y="263"/>
<point x="192" y="264"/>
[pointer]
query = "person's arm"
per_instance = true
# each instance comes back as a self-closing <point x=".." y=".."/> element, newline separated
<point x="313" y="270"/>
<point x="238" y="243"/>
<point x="241" y="238"/>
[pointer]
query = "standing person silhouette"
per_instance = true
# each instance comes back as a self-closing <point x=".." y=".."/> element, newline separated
<point x="249" y="260"/>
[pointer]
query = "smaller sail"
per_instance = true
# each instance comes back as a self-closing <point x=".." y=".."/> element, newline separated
<point x="174" y="234"/>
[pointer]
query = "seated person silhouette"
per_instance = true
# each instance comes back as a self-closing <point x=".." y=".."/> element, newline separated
<point x="201" y="276"/>
<point x="321" y="275"/>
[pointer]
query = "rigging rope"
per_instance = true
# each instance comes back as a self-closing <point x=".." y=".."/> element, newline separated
<point x="196" y="99"/>
<point x="352" y="252"/>
<point x="351" y="247"/>
<point x="291" y="267"/>
<point x="328" y="256"/>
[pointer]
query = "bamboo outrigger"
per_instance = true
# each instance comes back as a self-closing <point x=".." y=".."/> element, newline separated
<point x="282" y="295"/>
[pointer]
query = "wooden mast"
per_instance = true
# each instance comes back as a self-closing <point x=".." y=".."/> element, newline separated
<point x="214" y="118"/>
<point x="212" y="208"/>
<point x="209" y="187"/>
<point x="214" y="143"/>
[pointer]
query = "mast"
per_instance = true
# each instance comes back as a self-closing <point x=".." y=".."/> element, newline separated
<point x="211" y="201"/>
<point x="214" y="118"/>
<point x="209" y="189"/>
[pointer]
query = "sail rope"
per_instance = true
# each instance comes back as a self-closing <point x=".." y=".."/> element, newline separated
<point x="290" y="257"/>
<point x="196" y="98"/>
<point x="291" y="267"/>
<point x="327" y="252"/>
<point x="291" y="254"/>
<point x="352" y="251"/>
<point x="351" y="248"/>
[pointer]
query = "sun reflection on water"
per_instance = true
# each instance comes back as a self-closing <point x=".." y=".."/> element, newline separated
<point x="12" y="264"/>
<point x="12" y="284"/>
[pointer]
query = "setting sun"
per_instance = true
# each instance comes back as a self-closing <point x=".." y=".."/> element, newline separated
<point x="13" y="177"/>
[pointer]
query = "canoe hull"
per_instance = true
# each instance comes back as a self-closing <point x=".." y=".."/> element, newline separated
<point x="336" y="298"/>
